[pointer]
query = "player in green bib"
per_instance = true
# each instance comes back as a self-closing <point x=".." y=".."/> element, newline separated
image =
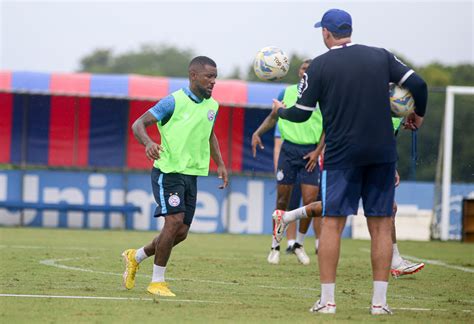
<point x="185" y="120"/>
<point x="297" y="164"/>
<point x="399" y="267"/>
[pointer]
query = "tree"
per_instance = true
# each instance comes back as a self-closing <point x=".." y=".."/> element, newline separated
<point x="160" y="60"/>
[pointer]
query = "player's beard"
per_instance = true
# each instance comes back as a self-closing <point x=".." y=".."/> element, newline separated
<point x="204" y="92"/>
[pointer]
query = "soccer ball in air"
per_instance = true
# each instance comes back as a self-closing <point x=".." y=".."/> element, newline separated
<point x="271" y="64"/>
<point x="401" y="101"/>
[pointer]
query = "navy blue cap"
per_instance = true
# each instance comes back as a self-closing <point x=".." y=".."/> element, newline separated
<point x="336" y="21"/>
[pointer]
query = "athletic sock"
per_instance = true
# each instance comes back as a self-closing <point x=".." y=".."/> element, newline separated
<point x="140" y="255"/>
<point x="327" y="293"/>
<point x="396" y="258"/>
<point x="158" y="273"/>
<point x="274" y="243"/>
<point x="316" y="243"/>
<point x="380" y="293"/>
<point x="292" y="215"/>
<point x="291" y="243"/>
<point x="300" y="238"/>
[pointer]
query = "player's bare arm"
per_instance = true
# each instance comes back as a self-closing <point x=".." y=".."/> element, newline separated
<point x="313" y="155"/>
<point x="266" y="125"/>
<point x="152" y="149"/>
<point x="217" y="157"/>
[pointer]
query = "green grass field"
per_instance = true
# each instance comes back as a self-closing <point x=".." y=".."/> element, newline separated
<point x="217" y="278"/>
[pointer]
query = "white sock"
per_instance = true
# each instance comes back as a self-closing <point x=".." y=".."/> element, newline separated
<point x="300" y="237"/>
<point x="140" y="255"/>
<point x="274" y="243"/>
<point x="396" y="258"/>
<point x="316" y="243"/>
<point x="291" y="242"/>
<point x="327" y="293"/>
<point x="380" y="293"/>
<point x="292" y="215"/>
<point x="158" y="273"/>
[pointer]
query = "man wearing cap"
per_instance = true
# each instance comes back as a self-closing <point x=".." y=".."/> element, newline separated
<point x="350" y="82"/>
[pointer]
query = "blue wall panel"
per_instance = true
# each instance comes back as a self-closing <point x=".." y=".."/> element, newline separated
<point x="264" y="160"/>
<point x="108" y="129"/>
<point x="37" y="142"/>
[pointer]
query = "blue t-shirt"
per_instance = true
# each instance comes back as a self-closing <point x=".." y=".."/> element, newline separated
<point x="350" y="83"/>
<point x="281" y="95"/>
<point x="163" y="109"/>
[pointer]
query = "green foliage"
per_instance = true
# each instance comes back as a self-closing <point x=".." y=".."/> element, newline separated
<point x="218" y="278"/>
<point x="160" y="60"/>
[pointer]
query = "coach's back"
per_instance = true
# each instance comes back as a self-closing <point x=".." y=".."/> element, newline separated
<point x="351" y="84"/>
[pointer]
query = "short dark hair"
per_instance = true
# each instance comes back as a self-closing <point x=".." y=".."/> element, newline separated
<point x="308" y="61"/>
<point x="201" y="61"/>
<point x="342" y="34"/>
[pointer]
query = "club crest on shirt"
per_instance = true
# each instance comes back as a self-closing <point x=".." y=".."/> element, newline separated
<point x="303" y="85"/>
<point x="280" y="175"/>
<point x="211" y="114"/>
<point x="174" y="200"/>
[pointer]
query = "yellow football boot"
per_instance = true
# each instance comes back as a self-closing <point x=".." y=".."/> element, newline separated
<point x="160" y="289"/>
<point x="131" y="267"/>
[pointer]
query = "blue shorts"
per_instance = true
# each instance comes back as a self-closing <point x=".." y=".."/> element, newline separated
<point x="174" y="193"/>
<point x="291" y="165"/>
<point x="342" y="189"/>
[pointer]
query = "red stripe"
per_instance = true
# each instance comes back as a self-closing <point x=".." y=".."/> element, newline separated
<point x="61" y="131"/>
<point x="83" y="111"/>
<point x="6" y="113"/>
<point x="238" y="116"/>
<point x="5" y="80"/>
<point x="136" y="158"/>
<point x="230" y="91"/>
<point x="222" y="131"/>
<point x="147" y="87"/>
<point x="70" y="83"/>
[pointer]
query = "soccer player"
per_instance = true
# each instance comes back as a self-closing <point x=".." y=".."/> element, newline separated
<point x="185" y="120"/>
<point x="399" y="266"/>
<point x="297" y="162"/>
<point x="350" y="82"/>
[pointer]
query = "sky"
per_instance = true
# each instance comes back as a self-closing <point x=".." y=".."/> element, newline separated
<point x="52" y="36"/>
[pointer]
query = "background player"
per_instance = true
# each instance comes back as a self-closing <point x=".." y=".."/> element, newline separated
<point x="185" y="120"/>
<point x="301" y="142"/>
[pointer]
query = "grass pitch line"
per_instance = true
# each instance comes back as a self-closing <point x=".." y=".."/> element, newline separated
<point x="115" y="298"/>
<point x="434" y="262"/>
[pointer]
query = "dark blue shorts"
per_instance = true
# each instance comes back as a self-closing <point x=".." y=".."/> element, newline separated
<point x="342" y="189"/>
<point x="291" y="165"/>
<point x="174" y="193"/>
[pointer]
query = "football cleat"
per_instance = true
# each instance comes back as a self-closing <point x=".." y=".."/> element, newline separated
<point x="301" y="255"/>
<point x="274" y="256"/>
<point x="131" y="267"/>
<point x="380" y="310"/>
<point x="290" y="249"/>
<point x="329" y="308"/>
<point x="406" y="268"/>
<point x="160" y="289"/>
<point x="280" y="225"/>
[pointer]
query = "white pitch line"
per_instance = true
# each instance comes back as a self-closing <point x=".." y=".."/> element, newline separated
<point x="114" y="298"/>
<point x="181" y="301"/>
<point x="434" y="262"/>
<point x="53" y="263"/>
